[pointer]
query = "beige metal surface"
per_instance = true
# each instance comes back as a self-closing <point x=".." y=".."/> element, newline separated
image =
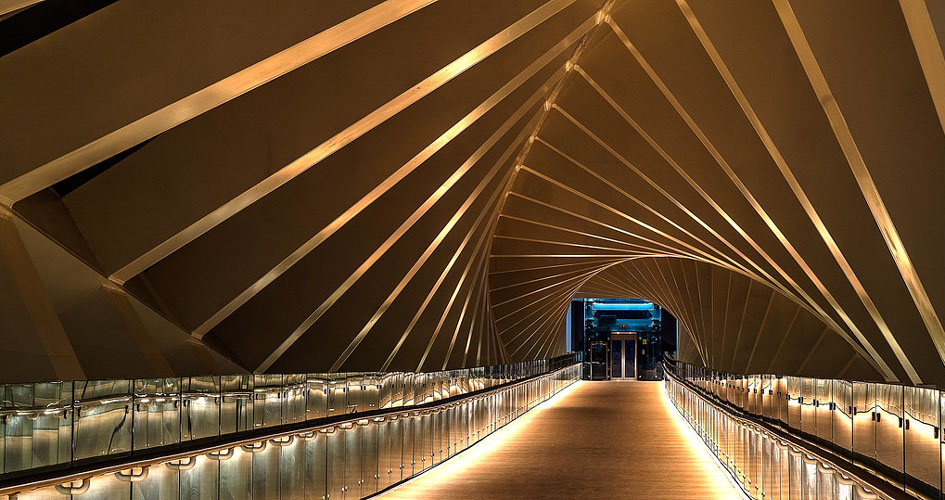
<point x="597" y="440"/>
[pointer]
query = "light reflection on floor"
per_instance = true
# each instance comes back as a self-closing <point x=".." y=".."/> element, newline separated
<point x="594" y="440"/>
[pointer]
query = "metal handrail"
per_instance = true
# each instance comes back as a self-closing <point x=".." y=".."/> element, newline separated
<point x="256" y="441"/>
<point x="808" y="449"/>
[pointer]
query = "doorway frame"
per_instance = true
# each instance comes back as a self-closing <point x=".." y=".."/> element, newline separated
<point x="623" y="336"/>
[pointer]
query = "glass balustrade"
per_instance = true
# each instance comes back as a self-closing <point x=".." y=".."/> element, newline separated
<point x="54" y="425"/>
<point x="892" y="430"/>
<point x="348" y="459"/>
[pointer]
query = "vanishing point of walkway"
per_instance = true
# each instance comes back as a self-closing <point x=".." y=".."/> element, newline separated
<point x="595" y="440"/>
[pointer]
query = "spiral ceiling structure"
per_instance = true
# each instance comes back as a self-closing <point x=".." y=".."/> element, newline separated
<point x="210" y="187"/>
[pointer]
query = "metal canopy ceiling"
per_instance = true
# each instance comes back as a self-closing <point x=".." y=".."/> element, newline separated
<point x="209" y="187"/>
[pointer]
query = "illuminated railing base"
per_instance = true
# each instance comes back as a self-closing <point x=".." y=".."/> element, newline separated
<point x="48" y="426"/>
<point x="763" y="464"/>
<point x="890" y="431"/>
<point x="349" y="459"/>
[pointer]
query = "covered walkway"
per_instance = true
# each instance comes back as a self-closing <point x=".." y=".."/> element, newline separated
<point x="595" y="440"/>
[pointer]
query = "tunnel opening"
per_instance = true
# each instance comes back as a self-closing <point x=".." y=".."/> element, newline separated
<point x="621" y="338"/>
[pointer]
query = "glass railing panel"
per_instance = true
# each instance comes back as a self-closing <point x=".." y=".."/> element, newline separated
<point x="743" y="400"/>
<point x="30" y="440"/>
<point x="103" y="418"/>
<point x="409" y="460"/>
<point x="399" y="390"/>
<point x="738" y="452"/>
<point x="111" y="487"/>
<point x="423" y="390"/>
<point x="55" y="421"/>
<point x="464" y="426"/>
<point x="826" y="485"/>
<point x="386" y="390"/>
<point x="386" y="459"/>
<point x="823" y="408"/>
<point x="35" y="425"/>
<point x="442" y="430"/>
<point x="336" y="395"/>
<point x="753" y="466"/>
<point x="237" y="403"/>
<point x="355" y="388"/>
<point x="784" y="471"/>
<point x="352" y="437"/>
<point x="443" y="385"/>
<point x="293" y="401"/>
<point x="409" y="389"/>
<point x="402" y="444"/>
<point x="369" y="459"/>
<point x="890" y="426"/>
<point x="809" y="478"/>
<point x="335" y="465"/>
<point x="426" y="439"/>
<point x="161" y="483"/>
<point x="476" y="421"/>
<point x="451" y="426"/>
<point x="764" y="467"/>
<point x="864" y="416"/>
<point x="200" y="407"/>
<point x="754" y="395"/>
<point x="780" y="412"/>
<point x="459" y="428"/>
<point x="795" y="476"/>
<point x="370" y="397"/>
<point x="157" y="417"/>
<point x="200" y="478"/>
<point x="725" y="443"/>
<point x="508" y="406"/>
<point x="266" y="469"/>
<point x="316" y="401"/>
<point x="719" y="432"/>
<point x="432" y="388"/>
<point x="808" y="411"/>
<point x="4" y="419"/>
<point x="488" y="416"/>
<point x="843" y="415"/>
<point x="441" y="435"/>
<point x="267" y="400"/>
<point x="292" y="466"/>
<point x="236" y="473"/>
<point x="451" y="385"/>
<point x="777" y="486"/>
<point x="314" y="476"/>
<point x="749" y="459"/>
<point x="923" y="460"/>
<point x="845" y="488"/>
<point x="771" y="468"/>
<point x="767" y="396"/>
<point x="794" y="402"/>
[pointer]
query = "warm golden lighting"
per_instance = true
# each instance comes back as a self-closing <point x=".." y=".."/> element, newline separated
<point x="477" y="457"/>
<point x="551" y="449"/>
<point x="710" y="466"/>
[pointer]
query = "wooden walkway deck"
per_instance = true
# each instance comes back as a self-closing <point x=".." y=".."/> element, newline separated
<point x="596" y="440"/>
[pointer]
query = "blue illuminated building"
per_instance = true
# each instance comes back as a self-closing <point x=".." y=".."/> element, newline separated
<point x="622" y="338"/>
